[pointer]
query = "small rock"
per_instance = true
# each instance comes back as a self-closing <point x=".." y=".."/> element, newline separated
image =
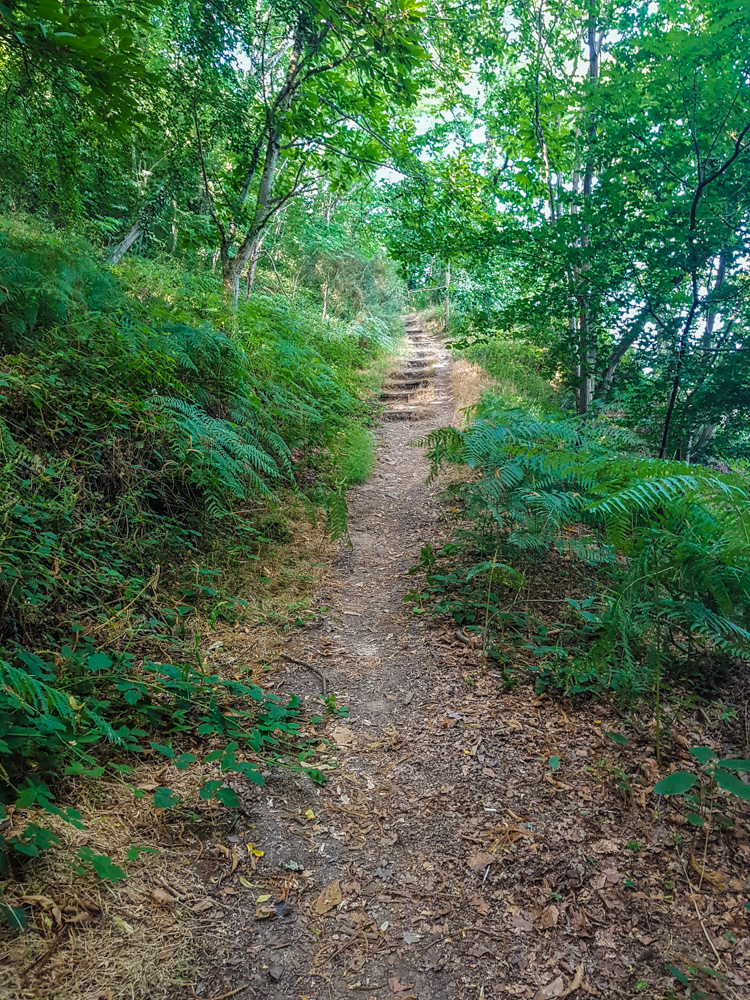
<point x="409" y="698"/>
<point x="275" y="972"/>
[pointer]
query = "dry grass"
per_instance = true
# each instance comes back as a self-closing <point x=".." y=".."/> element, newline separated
<point x="88" y="939"/>
<point x="432" y="321"/>
<point x="141" y="939"/>
<point x="468" y="381"/>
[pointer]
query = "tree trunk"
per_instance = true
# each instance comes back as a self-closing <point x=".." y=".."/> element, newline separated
<point x="234" y="267"/>
<point x="708" y="332"/>
<point x="447" y="295"/>
<point x="538" y="119"/>
<point x="120" y="249"/>
<point x="586" y="327"/>
<point x="619" y="353"/>
<point x="253" y="267"/>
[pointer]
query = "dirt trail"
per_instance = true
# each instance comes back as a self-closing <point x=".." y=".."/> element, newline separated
<point x="444" y="859"/>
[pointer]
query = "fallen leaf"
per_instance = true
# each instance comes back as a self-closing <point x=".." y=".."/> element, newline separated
<point x="550" y="916"/>
<point x="410" y="938"/>
<point x="80" y="918"/>
<point x="202" y="906"/>
<point x="44" y="901"/>
<point x="396" y="986"/>
<point x="554" y="989"/>
<point x="480" y="950"/>
<point x="576" y="981"/>
<point x="605" y="847"/>
<point x="264" y="898"/>
<point x="329" y="898"/>
<point x="479" y="861"/>
<point x="342" y="736"/>
<point x="162" y="898"/>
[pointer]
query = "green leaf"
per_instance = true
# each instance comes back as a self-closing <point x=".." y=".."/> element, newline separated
<point x="13" y="916"/>
<point x="133" y="852"/>
<point x="617" y="738"/>
<point x="702" y="754"/>
<point x="98" y="661"/>
<point x="103" y="865"/>
<point x="735" y="765"/>
<point x="679" y="976"/>
<point x="161" y="748"/>
<point x="675" y="784"/>
<point x="695" y="819"/>
<point x="228" y="797"/>
<point x="732" y="784"/>
<point x="165" y="798"/>
<point x="554" y="763"/>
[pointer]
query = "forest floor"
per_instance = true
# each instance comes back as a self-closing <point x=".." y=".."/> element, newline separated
<point x="447" y="857"/>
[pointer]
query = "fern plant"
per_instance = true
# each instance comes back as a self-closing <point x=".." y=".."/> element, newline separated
<point x="672" y="540"/>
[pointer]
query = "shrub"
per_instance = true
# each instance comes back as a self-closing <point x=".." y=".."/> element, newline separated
<point x="671" y="541"/>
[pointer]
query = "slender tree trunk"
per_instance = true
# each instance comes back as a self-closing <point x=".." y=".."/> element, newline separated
<point x="234" y="267"/>
<point x="447" y="295"/>
<point x="120" y="249"/>
<point x="586" y="326"/>
<point x="682" y="351"/>
<point x="253" y="267"/>
<point x="537" y="116"/>
<point x="721" y="273"/>
<point x="619" y="353"/>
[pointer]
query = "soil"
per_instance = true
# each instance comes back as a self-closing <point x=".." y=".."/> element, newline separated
<point x="471" y="842"/>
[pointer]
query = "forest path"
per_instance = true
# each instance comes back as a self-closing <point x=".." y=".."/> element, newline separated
<point x="448" y="857"/>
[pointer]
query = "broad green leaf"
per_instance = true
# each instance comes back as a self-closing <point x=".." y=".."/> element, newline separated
<point x="735" y="765"/>
<point x="165" y="798"/>
<point x="228" y="797"/>
<point x="702" y="754"/>
<point x="103" y="865"/>
<point x="98" y="661"/>
<point x="675" y="784"/>
<point x="732" y="784"/>
<point x="13" y="916"/>
<point x="617" y="738"/>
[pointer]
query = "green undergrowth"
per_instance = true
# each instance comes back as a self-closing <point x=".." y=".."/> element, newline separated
<point x="524" y="373"/>
<point x="353" y="453"/>
<point x="611" y="571"/>
<point x="150" y="440"/>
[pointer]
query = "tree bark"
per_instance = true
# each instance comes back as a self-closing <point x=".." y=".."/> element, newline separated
<point x="586" y="328"/>
<point x="619" y="352"/>
<point x="120" y="249"/>
<point x="234" y="267"/>
<point x="253" y="267"/>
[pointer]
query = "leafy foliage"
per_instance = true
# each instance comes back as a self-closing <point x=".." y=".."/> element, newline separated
<point x="671" y="542"/>
<point x="144" y="427"/>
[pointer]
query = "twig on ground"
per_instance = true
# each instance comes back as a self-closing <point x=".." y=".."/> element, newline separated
<point x="698" y="912"/>
<point x="309" y="666"/>
<point x="232" y="993"/>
